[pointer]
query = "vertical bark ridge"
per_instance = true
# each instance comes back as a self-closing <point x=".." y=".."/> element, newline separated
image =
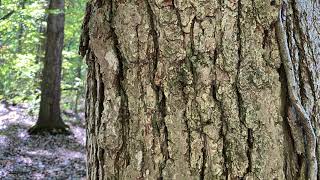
<point x="254" y="79"/>
<point x="159" y="116"/>
<point x="241" y="107"/>
<point x="223" y="128"/>
<point x="122" y="159"/>
<point x="295" y="100"/>
<point x="292" y="134"/>
<point x="90" y="112"/>
<point x="99" y="104"/>
<point x="197" y="92"/>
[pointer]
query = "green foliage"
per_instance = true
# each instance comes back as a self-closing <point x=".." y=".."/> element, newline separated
<point x="22" y="41"/>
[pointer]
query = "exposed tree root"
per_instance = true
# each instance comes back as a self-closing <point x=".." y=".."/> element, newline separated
<point x="53" y="130"/>
<point x="296" y="101"/>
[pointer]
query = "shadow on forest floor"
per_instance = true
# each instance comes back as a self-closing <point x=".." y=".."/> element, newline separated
<point x="39" y="157"/>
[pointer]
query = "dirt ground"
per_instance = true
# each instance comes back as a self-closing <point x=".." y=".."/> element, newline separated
<point x="39" y="157"/>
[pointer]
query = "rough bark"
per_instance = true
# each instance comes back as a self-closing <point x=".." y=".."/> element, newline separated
<point x="192" y="89"/>
<point x="49" y="113"/>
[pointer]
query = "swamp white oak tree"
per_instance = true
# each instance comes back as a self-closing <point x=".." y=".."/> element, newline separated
<point x="202" y="89"/>
<point x="49" y="114"/>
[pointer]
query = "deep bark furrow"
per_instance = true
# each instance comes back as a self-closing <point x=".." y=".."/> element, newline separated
<point x="192" y="48"/>
<point x="249" y="151"/>
<point x="159" y="119"/>
<point x="188" y="139"/>
<point x="100" y="100"/>
<point x="241" y="107"/>
<point x="224" y="151"/>
<point x="223" y="128"/>
<point x="122" y="158"/>
<point x="183" y="85"/>
<point x="204" y="156"/>
<point x="237" y="83"/>
<point x="89" y="104"/>
<point x="84" y="38"/>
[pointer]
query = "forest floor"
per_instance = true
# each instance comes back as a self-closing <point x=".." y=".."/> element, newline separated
<point x="39" y="157"/>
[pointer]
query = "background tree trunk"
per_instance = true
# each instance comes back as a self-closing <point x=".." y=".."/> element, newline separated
<point x="191" y="89"/>
<point x="49" y="114"/>
<point x="21" y="29"/>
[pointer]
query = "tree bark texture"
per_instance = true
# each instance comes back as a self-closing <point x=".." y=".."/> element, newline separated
<point x="195" y="89"/>
<point x="49" y="114"/>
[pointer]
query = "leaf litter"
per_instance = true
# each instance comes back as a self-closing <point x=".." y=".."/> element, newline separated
<point x="39" y="156"/>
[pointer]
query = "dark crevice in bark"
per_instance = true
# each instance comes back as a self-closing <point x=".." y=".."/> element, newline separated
<point x="192" y="35"/>
<point x="89" y="96"/>
<point x="101" y="160"/>
<point x="300" y="162"/>
<point x="302" y="83"/>
<point x="122" y="158"/>
<point x="84" y="38"/>
<point x="204" y="155"/>
<point x="96" y="159"/>
<point x="239" y="100"/>
<point x="92" y="115"/>
<point x="143" y="166"/>
<point x="99" y="101"/>
<point x="222" y="131"/>
<point x="188" y="139"/>
<point x="179" y="21"/>
<point x="215" y="55"/>
<point x="266" y="39"/>
<point x="87" y="107"/>
<point x="93" y="93"/>
<point x="192" y="53"/>
<point x="224" y="153"/>
<point x="184" y="84"/>
<point x="249" y="151"/>
<point x="204" y="146"/>
<point x="292" y="170"/>
<point x="162" y="124"/>
<point x="241" y="107"/>
<point x="100" y="98"/>
<point x="159" y="119"/>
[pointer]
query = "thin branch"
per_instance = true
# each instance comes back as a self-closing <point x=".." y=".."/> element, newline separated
<point x="70" y="89"/>
<point x="7" y="15"/>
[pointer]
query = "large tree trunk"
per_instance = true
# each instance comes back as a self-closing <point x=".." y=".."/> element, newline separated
<point x="191" y="89"/>
<point x="49" y="114"/>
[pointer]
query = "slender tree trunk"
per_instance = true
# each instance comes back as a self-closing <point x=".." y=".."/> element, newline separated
<point x="21" y="29"/>
<point x="49" y="114"/>
<point x="42" y="43"/>
<point x="191" y="89"/>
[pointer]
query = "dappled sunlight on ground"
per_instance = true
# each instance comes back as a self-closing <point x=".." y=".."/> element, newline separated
<point x="39" y="157"/>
